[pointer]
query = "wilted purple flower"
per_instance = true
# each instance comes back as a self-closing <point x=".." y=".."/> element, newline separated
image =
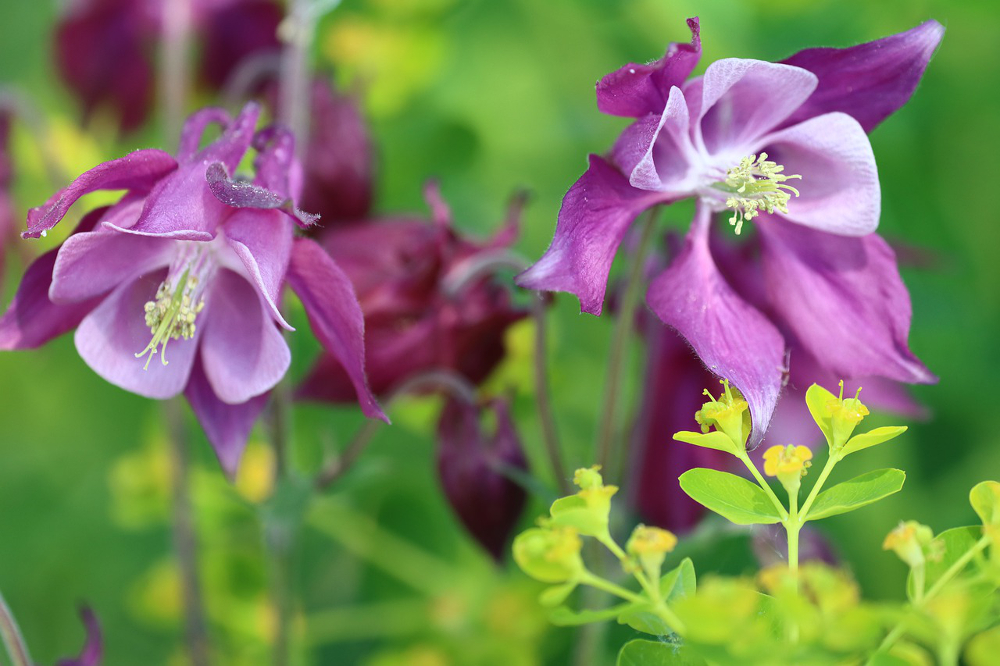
<point x="784" y="145"/>
<point x="470" y="465"/>
<point x="400" y="268"/>
<point x="93" y="649"/>
<point x="106" y="49"/>
<point x="191" y="260"/>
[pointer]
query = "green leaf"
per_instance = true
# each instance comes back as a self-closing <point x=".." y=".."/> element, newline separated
<point x="716" y="439"/>
<point x="679" y="582"/>
<point x="641" y="652"/>
<point x="856" y="493"/>
<point x="951" y="544"/>
<point x="985" y="500"/>
<point x="642" y="618"/>
<point x="557" y="594"/>
<point x="871" y="438"/>
<point x="983" y="648"/>
<point x="730" y="496"/>
<point x="566" y="617"/>
<point x="817" y="400"/>
<point x="573" y="511"/>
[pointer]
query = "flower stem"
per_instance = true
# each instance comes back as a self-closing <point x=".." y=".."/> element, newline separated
<point x="450" y="383"/>
<point x="620" y="338"/>
<point x="831" y="462"/>
<point x="792" y="526"/>
<point x="174" y="76"/>
<point x="765" y="486"/>
<point x="12" y="638"/>
<point x="185" y="537"/>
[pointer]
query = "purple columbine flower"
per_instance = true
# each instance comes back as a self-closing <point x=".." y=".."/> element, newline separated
<point x="93" y="648"/>
<point x="471" y="466"/>
<point x="781" y="144"/>
<point x="176" y="287"/>
<point x="402" y="269"/>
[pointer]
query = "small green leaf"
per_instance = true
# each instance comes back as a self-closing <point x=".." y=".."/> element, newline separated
<point x="716" y="439"/>
<point x="856" y="493"/>
<point x="641" y="652"/>
<point x="951" y="545"/>
<point x="730" y="496"/>
<point x="642" y="618"/>
<point x="566" y="617"/>
<point x="871" y="438"/>
<point x="573" y="511"/>
<point x="985" y="500"/>
<point x="817" y="400"/>
<point x="679" y="582"/>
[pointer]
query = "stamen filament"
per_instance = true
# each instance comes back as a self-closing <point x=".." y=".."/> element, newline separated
<point x="760" y="185"/>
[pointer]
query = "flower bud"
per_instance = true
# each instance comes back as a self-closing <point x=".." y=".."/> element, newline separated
<point x="729" y="414"/>
<point x="911" y="541"/>
<point x="549" y="554"/>
<point x="836" y="416"/>
<point x="470" y="463"/>
<point x="649" y="547"/>
<point x="587" y="511"/>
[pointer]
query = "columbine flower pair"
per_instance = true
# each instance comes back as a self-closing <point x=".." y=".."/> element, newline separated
<point x="176" y="288"/>
<point x="784" y="147"/>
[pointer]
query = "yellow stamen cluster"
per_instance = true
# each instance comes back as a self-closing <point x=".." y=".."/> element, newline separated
<point x="787" y="461"/>
<point x="171" y="316"/>
<point x="730" y="414"/>
<point x="757" y="184"/>
<point x="845" y="415"/>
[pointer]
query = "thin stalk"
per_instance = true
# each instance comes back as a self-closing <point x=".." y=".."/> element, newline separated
<point x="297" y="32"/>
<point x="620" y="338"/>
<point x="831" y="462"/>
<point x="447" y="381"/>
<point x="280" y="554"/>
<point x="174" y="75"/>
<point x="792" y="525"/>
<point x="185" y="537"/>
<point x="12" y="638"/>
<point x="764" y="485"/>
<point x="660" y="609"/>
<point x="938" y="585"/>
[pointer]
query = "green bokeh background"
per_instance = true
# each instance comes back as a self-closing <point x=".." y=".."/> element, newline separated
<point x="488" y="96"/>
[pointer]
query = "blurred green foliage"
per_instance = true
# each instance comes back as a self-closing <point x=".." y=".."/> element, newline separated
<point x="489" y="96"/>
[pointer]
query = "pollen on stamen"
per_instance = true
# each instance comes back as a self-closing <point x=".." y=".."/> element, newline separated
<point x="755" y="185"/>
<point x="171" y="316"/>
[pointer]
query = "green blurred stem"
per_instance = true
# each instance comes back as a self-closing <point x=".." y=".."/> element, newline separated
<point x="660" y="609"/>
<point x="938" y="585"/>
<point x="745" y="457"/>
<point x="12" y="638"/>
<point x="620" y="338"/>
<point x="185" y="536"/>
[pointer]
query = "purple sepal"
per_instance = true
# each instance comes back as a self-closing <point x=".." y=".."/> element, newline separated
<point x="93" y="648"/>
<point x="732" y="338"/>
<point x="636" y="90"/>
<point x="471" y="466"/>
<point x="226" y="426"/>
<point x="334" y="314"/>
<point x="843" y="300"/>
<point x="244" y="194"/>
<point x="869" y="81"/>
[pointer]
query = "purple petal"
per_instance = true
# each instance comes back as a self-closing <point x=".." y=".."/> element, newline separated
<point x="194" y="129"/>
<point x="667" y="154"/>
<point x="275" y="163"/>
<point x="32" y="319"/>
<point x="235" y="140"/>
<point x="843" y="299"/>
<point x="869" y="81"/>
<point x="263" y="241"/>
<point x="94" y="263"/>
<point x="243" y="194"/>
<point x="138" y="171"/>
<point x="93" y="649"/>
<point x="741" y="100"/>
<point x="595" y="214"/>
<point x="334" y="314"/>
<point x="242" y="351"/>
<point x="732" y="338"/>
<point x="635" y="90"/>
<point x="839" y="190"/>
<point x="109" y="338"/>
<point x="226" y="426"/>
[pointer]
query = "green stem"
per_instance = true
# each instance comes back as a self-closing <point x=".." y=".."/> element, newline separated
<point x="12" y="638"/>
<point x="938" y="585"/>
<point x="792" y="526"/>
<point x="619" y="344"/>
<point x="831" y="462"/>
<point x="763" y="484"/>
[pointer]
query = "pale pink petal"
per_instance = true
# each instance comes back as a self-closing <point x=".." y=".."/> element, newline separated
<point x="262" y="239"/>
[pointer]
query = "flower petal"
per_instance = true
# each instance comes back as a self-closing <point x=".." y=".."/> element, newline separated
<point x="263" y="242"/>
<point x="236" y="139"/>
<point x="839" y="190"/>
<point x="334" y="314"/>
<point x="194" y="129"/>
<point x="843" y="299"/>
<point x="226" y="426"/>
<point x="667" y="154"/>
<point x="732" y="338"/>
<point x="241" y="194"/>
<point x="93" y="649"/>
<point x="109" y="337"/>
<point x="138" y="171"/>
<point x="635" y="90"/>
<point x="595" y="214"/>
<point x="93" y="263"/>
<point x="242" y="351"/>
<point x="741" y="100"/>
<point x="868" y="81"/>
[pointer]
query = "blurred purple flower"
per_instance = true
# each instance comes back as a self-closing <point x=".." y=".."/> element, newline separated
<point x="93" y="648"/>
<point x="105" y="49"/>
<point x="193" y="260"/>
<point x="470" y="463"/>
<point x="834" y="284"/>
<point x="401" y="268"/>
